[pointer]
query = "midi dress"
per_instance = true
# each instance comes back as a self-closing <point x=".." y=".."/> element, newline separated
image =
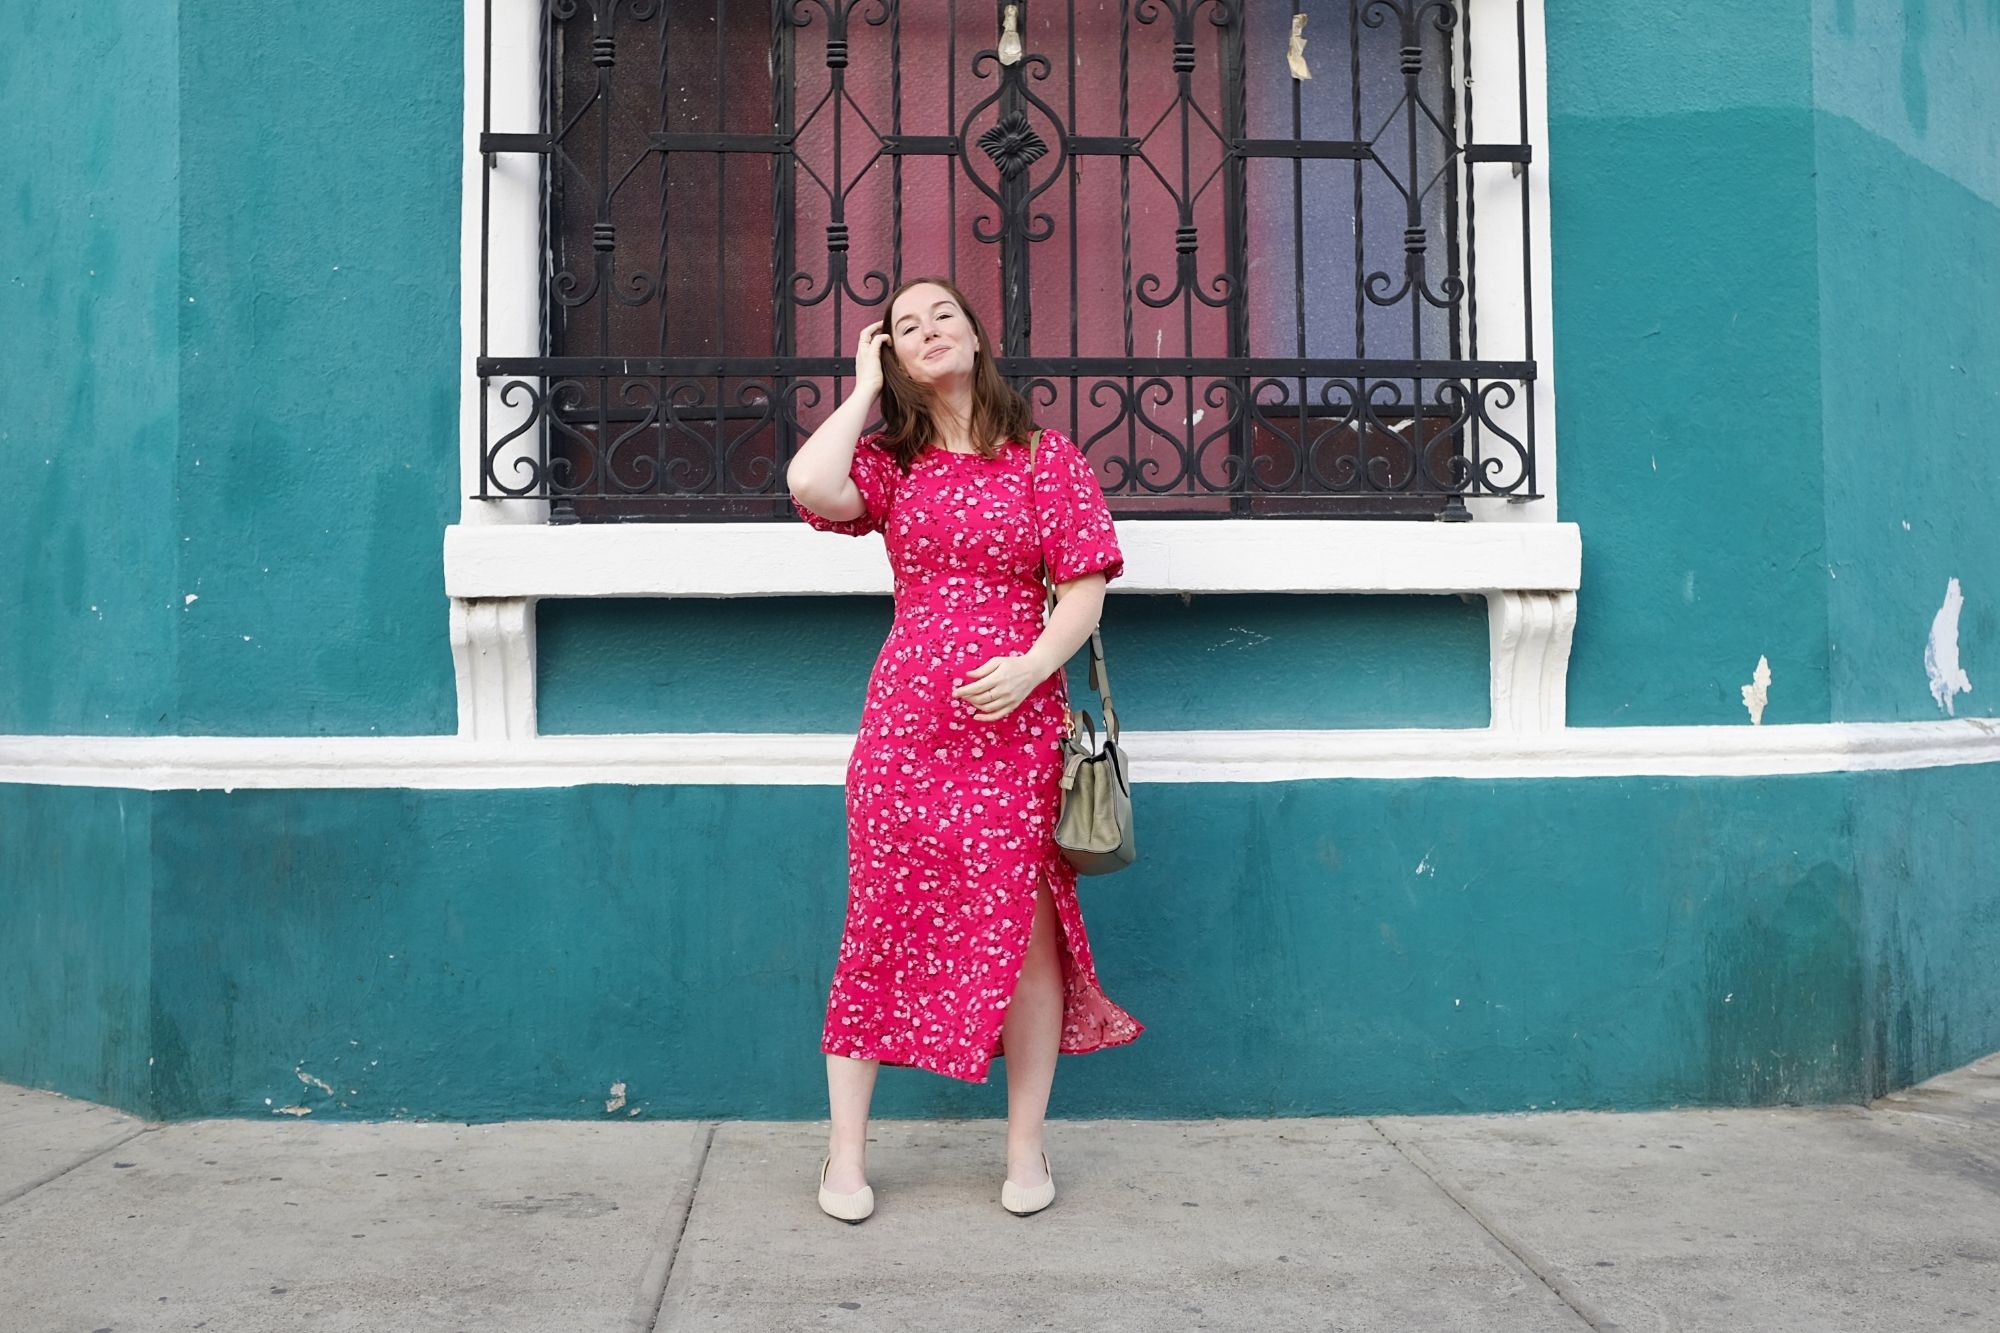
<point x="951" y="820"/>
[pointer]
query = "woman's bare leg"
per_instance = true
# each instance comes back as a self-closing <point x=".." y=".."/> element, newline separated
<point x="850" y="1086"/>
<point x="1032" y="1034"/>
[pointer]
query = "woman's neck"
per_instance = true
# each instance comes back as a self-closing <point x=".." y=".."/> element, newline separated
<point x="954" y="420"/>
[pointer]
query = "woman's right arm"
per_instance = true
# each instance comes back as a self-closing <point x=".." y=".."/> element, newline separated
<point x="819" y="473"/>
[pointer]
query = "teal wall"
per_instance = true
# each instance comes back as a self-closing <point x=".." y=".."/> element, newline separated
<point x="1228" y="660"/>
<point x="231" y="327"/>
<point x="1933" y="923"/>
<point x="228" y="345"/>
<point x="1909" y="251"/>
<point x="76" y="947"/>
<point x="319" y="365"/>
<point x="89" y="367"/>
<point x="1776" y="239"/>
<point x="1297" y="948"/>
<point x="1686" y="356"/>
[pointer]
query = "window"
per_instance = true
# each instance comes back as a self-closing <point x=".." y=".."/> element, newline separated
<point x="1244" y="293"/>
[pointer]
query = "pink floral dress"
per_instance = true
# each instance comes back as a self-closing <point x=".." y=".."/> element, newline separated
<point x="950" y="820"/>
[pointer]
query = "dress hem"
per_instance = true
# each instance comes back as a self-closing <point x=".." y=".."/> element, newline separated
<point x="909" y="1060"/>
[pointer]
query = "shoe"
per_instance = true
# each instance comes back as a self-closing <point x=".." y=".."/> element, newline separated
<point x="850" y="1208"/>
<point x="1022" y="1200"/>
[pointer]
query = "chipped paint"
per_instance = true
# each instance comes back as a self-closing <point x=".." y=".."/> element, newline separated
<point x="617" y="1098"/>
<point x="1758" y="692"/>
<point x="312" y="1082"/>
<point x="1947" y="677"/>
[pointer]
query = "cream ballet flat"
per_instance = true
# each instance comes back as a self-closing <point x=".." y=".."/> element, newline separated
<point x="849" y="1208"/>
<point x="1021" y="1200"/>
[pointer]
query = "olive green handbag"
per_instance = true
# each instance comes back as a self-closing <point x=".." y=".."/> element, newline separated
<point x="1094" y="829"/>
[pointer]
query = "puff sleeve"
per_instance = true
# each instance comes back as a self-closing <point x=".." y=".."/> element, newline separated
<point x="1076" y="531"/>
<point x="875" y="475"/>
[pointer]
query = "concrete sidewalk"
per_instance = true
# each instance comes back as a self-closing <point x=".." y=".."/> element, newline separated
<point x="1881" y="1217"/>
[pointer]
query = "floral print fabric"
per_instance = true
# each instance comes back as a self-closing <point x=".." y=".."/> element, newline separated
<point x="951" y="821"/>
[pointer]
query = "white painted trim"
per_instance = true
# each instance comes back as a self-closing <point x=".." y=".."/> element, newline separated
<point x="1504" y="289"/>
<point x="1529" y="635"/>
<point x="493" y="656"/>
<point x="1229" y="555"/>
<point x="495" y="574"/>
<point x="513" y="316"/>
<point x="166" y="763"/>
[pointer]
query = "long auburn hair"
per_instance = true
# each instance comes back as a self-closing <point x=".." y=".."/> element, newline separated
<point x="910" y="410"/>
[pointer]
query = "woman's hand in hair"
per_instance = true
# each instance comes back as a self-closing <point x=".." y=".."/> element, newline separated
<point x="868" y="360"/>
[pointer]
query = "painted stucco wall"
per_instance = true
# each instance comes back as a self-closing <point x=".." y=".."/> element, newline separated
<point x="1253" y="661"/>
<point x="278" y="444"/>
<point x="1295" y="948"/>
<point x="319" y="365"/>
<point x="228" y="346"/>
<point x="1777" y="262"/>
<point x="89" y="368"/>
<point x="230" y="311"/>
<point x="1908" y="135"/>
<point x="1686" y="351"/>
<point x="76" y="942"/>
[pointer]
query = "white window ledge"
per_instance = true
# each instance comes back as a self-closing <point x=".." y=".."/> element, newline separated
<point x="495" y="572"/>
<point x="789" y="559"/>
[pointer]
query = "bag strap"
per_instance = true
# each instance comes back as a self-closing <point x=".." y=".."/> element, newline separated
<point x="1100" y="672"/>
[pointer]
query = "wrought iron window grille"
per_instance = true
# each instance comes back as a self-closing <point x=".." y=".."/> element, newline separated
<point x="1300" y="252"/>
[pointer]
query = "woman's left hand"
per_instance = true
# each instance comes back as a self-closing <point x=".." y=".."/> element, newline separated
<point x="997" y="686"/>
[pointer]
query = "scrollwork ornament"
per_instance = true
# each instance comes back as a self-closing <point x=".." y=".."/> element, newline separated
<point x="764" y="471"/>
<point x="635" y="393"/>
<point x="522" y="462"/>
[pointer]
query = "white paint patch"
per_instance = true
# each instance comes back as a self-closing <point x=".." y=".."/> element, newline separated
<point x="1253" y="639"/>
<point x="617" y="1098"/>
<point x="191" y="599"/>
<point x="1424" y="867"/>
<point x="1948" y="679"/>
<point x="293" y="1110"/>
<point x="312" y="1082"/>
<point x="1758" y="692"/>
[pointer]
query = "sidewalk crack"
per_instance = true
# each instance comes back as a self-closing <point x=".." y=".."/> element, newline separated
<point x="1545" y="1272"/>
<point x="20" y="1191"/>
<point x="652" y="1299"/>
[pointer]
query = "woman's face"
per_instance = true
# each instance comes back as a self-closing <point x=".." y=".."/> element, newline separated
<point x="933" y="339"/>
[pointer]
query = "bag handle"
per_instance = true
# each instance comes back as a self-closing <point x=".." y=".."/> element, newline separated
<point x="1100" y="673"/>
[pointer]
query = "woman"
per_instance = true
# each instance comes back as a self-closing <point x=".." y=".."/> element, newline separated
<point x="963" y="938"/>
